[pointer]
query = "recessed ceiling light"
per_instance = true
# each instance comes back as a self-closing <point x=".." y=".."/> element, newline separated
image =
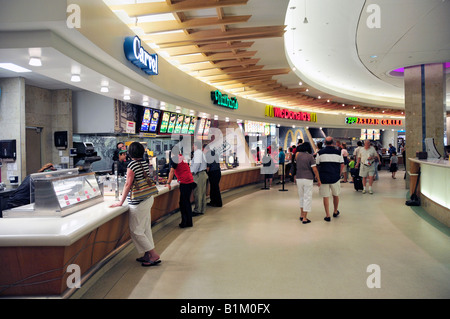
<point x="328" y="101"/>
<point x="319" y="97"/>
<point x="126" y="97"/>
<point x="104" y="89"/>
<point x="307" y="90"/>
<point x="75" y="78"/>
<point x="300" y="83"/>
<point x="145" y="103"/>
<point x="13" y="67"/>
<point x="35" y="61"/>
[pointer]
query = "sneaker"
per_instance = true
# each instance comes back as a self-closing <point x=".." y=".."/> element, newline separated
<point x="336" y="214"/>
<point x="370" y="191"/>
<point x="327" y="219"/>
<point x="364" y="191"/>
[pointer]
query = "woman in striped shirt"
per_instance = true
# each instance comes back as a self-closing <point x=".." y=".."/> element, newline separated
<point x="140" y="210"/>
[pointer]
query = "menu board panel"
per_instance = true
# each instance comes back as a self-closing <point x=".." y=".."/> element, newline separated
<point x="154" y="121"/>
<point x="201" y="127"/>
<point x="192" y="125"/>
<point x="146" y="120"/>
<point x="164" y="123"/>
<point x="179" y="124"/>
<point x="186" y="124"/>
<point x="172" y="122"/>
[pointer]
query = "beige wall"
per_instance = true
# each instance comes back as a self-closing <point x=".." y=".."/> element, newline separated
<point x="50" y="110"/>
<point x="12" y="124"/>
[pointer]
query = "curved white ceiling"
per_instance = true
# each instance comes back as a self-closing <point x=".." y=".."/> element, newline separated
<point x="340" y="53"/>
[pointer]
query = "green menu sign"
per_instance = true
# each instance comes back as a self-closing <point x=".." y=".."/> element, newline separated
<point x="223" y="100"/>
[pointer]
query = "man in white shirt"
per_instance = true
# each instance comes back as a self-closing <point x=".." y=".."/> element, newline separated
<point x="198" y="170"/>
<point x="366" y="163"/>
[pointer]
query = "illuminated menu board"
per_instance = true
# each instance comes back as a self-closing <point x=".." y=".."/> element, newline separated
<point x="206" y="130"/>
<point x="146" y="120"/>
<point x="192" y="125"/>
<point x="164" y="123"/>
<point x="201" y="127"/>
<point x="254" y="127"/>
<point x="172" y="123"/>
<point x="154" y="121"/>
<point x="179" y="124"/>
<point x="370" y="134"/>
<point x="186" y="124"/>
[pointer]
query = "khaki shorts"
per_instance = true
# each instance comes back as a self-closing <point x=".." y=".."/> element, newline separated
<point x="365" y="171"/>
<point x="326" y="190"/>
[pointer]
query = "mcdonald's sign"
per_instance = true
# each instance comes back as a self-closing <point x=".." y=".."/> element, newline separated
<point x="272" y="111"/>
<point x="294" y="136"/>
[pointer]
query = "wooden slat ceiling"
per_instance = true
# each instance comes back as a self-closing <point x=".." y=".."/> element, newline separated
<point x="207" y="44"/>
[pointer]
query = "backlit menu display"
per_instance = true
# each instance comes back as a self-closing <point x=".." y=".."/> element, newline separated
<point x="172" y="123"/>
<point x="154" y="121"/>
<point x="164" y="123"/>
<point x="192" y="125"/>
<point x="146" y="120"/>
<point x="179" y="124"/>
<point x="186" y="124"/>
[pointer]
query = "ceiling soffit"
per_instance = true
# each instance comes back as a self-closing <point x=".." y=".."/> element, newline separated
<point x="212" y="41"/>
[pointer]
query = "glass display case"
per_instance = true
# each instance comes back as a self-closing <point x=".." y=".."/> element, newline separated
<point x="58" y="194"/>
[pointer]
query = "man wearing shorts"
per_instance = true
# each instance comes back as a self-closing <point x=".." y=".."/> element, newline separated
<point x="366" y="163"/>
<point x="331" y="165"/>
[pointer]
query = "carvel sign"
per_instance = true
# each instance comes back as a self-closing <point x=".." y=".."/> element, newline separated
<point x="136" y="54"/>
<point x="365" y="121"/>
<point x="272" y="111"/>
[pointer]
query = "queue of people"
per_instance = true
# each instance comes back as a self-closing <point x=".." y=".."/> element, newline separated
<point x="329" y="166"/>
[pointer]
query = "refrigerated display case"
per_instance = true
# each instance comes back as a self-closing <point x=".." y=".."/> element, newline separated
<point x="58" y="194"/>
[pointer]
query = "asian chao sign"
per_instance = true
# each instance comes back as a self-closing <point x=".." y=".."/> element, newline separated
<point x="136" y="54"/>
<point x="365" y="121"/>
<point x="223" y="100"/>
<point x="272" y="111"/>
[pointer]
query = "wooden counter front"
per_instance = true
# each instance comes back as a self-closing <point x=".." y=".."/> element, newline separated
<point x="35" y="252"/>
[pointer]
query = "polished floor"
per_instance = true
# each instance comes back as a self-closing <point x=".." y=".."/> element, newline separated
<point x="256" y="247"/>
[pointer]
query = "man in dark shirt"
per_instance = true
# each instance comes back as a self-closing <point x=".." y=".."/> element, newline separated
<point x="331" y="164"/>
<point x="122" y="163"/>
<point x="214" y="175"/>
<point x="24" y="193"/>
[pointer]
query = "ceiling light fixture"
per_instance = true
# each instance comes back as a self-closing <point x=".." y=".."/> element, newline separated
<point x="35" y="61"/>
<point x="126" y="97"/>
<point x="104" y="89"/>
<point x="13" y="67"/>
<point x="75" y="78"/>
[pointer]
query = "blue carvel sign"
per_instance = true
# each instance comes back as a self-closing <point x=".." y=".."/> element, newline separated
<point x="136" y="54"/>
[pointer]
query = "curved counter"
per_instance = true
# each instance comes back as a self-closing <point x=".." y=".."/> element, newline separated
<point x="434" y="183"/>
<point x="35" y="252"/>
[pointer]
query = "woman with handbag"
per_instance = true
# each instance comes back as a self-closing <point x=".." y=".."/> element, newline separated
<point x="139" y="190"/>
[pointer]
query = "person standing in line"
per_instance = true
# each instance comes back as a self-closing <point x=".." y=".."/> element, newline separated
<point x="268" y="164"/>
<point x="288" y="161"/>
<point x="331" y="165"/>
<point x="180" y="168"/>
<point x="214" y="176"/>
<point x="366" y="163"/>
<point x="344" y="154"/>
<point x="198" y="170"/>
<point x="281" y="162"/>
<point x="306" y="170"/>
<point x="139" y="210"/>
<point x="393" y="165"/>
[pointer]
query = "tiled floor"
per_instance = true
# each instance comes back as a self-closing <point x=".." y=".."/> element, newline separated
<point x="256" y="247"/>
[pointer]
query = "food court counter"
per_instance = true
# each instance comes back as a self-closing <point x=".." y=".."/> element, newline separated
<point x="434" y="186"/>
<point x="36" y="252"/>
